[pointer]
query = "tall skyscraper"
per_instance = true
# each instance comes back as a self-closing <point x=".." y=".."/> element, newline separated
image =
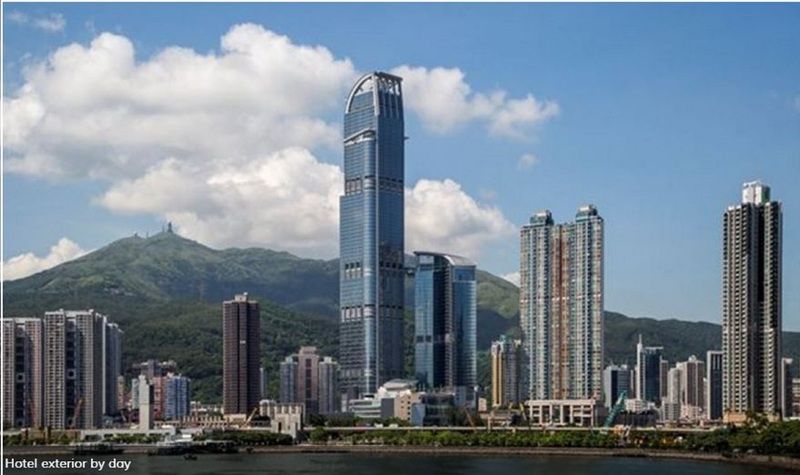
<point x="561" y="305"/>
<point x="288" y="380"/>
<point x="112" y="365"/>
<point x="664" y="384"/>
<point x="445" y="328"/>
<point x="371" y="236"/>
<point x="328" y="386"/>
<point x="73" y="369"/>
<point x="648" y="372"/>
<point x="22" y="372"/>
<point x="506" y="371"/>
<point x="671" y="406"/>
<point x="308" y="378"/>
<point x="714" y="385"/>
<point x="311" y="380"/>
<point x="241" y="339"/>
<point x="177" y="397"/>
<point x="692" y="395"/>
<point x="751" y="304"/>
<point x="786" y="387"/>
<point x="615" y="380"/>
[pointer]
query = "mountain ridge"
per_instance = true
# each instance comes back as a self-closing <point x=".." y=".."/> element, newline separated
<point x="166" y="292"/>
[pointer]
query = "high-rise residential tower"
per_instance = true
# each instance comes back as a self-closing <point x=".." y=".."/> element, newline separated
<point x="22" y="372"/>
<point x="445" y="319"/>
<point x="506" y="361"/>
<point x="561" y="305"/>
<point x="288" y="380"/>
<point x="328" y="386"/>
<point x="692" y="394"/>
<point x="751" y="304"/>
<point x="177" y="396"/>
<point x="308" y="378"/>
<point x="73" y="369"/>
<point x="371" y="273"/>
<point x="671" y="406"/>
<point x="311" y="380"/>
<point x="112" y="365"/>
<point x="713" y="391"/>
<point x="786" y="387"/>
<point x="241" y="339"/>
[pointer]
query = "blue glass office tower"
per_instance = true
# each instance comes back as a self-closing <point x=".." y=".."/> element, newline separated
<point x="445" y="324"/>
<point x="648" y="372"/>
<point x="371" y="237"/>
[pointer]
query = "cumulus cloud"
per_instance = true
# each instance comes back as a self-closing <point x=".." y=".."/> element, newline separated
<point x="287" y="199"/>
<point x="290" y="200"/>
<point x="527" y="160"/>
<point x="27" y="264"/>
<point x="444" y="101"/>
<point x="440" y="216"/>
<point x="52" y="23"/>
<point x="224" y="144"/>
<point x="95" y="111"/>
<point x="512" y="277"/>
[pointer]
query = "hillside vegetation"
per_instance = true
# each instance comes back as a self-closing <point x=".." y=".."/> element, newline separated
<point x="166" y="293"/>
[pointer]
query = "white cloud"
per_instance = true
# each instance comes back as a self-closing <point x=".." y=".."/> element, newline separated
<point x="512" y="277"/>
<point x="28" y="263"/>
<point x="440" y="216"/>
<point x="527" y="160"/>
<point x="290" y="200"/>
<point x="17" y="17"/>
<point x="95" y="111"/>
<point x="444" y="101"/>
<point x="51" y="23"/>
<point x="286" y="200"/>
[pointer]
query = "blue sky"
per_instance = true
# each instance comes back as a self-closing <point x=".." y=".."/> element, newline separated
<point x="663" y="111"/>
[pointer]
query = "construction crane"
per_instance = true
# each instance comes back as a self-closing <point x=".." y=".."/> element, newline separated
<point x="525" y="414"/>
<point x="470" y="419"/>
<point x="77" y="415"/>
<point x="620" y="404"/>
<point x="250" y="417"/>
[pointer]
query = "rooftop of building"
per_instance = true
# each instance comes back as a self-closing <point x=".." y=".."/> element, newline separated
<point x="453" y="259"/>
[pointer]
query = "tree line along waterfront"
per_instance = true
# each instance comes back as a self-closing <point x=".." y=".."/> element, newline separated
<point x="763" y="438"/>
<point x="757" y="436"/>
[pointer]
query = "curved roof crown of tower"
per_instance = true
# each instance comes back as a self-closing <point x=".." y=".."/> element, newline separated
<point x="386" y="82"/>
<point x="451" y="258"/>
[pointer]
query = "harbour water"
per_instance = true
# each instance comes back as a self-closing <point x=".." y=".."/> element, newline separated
<point x="397" y="464"/>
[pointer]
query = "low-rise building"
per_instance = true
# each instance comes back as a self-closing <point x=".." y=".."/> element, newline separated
<point x="572" y="412"/>
<point x="284" y="418"/>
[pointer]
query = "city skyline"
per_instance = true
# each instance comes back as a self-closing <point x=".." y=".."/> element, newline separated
<point x="448" y="155"/>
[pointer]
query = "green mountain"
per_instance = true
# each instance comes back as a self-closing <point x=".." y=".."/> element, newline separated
<point x="166" y="292"/>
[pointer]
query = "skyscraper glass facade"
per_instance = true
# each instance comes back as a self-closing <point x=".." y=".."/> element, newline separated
<point x="445" y="323"/>
<point x="371" y="236"/>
